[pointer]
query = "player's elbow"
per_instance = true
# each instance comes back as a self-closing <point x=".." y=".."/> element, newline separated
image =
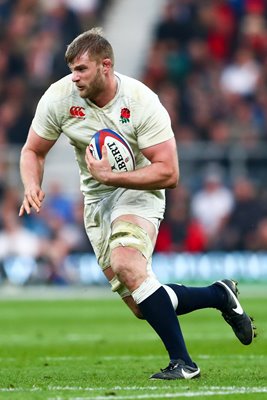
<point x="173" y="184"/>
<point x="173" y="178"/>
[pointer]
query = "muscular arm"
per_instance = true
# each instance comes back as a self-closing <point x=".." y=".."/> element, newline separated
<point x="163" y="172"/>
<point x="31" y="169"/>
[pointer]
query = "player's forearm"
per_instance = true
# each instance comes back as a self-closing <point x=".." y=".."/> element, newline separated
<point x="31" y="168"/>
<point x="151" y="177"/>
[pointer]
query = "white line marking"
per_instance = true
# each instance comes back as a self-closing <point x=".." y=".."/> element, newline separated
<point x="204" y="391"/>
<point x="65" y="358"/>
<point x="18" y="389"/>
<point x="72" y="337"/>
<point x="148" y="357"/>
<point x="127" y="388"/>
<point x="235" y="356"/>
<point x="170" y="395"/>
<point x="200" y="356"/>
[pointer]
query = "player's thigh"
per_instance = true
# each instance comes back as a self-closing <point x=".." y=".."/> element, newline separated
<point x="98" y="229"/>
<point x="142" y="208"/>
<point x="148" y="226"/>
<point x="131" y="248"/>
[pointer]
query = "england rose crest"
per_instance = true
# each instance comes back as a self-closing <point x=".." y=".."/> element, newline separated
<point x="125" y="115"/>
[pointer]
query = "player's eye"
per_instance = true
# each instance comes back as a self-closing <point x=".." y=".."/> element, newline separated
<point x="79" y="69"/>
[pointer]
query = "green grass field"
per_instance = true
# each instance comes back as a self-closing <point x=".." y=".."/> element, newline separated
<point x="93" y="348"/>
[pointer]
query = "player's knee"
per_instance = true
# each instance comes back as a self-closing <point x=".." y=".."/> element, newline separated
<point x="129" y="266"/>
<point x="122" y="259"/>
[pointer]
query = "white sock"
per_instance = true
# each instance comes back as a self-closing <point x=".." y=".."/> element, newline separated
<point x="172" y="296"/>
<point x="146" y="289"/>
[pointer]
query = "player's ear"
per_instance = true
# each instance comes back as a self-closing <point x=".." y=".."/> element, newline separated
<point x="107" y="64"/>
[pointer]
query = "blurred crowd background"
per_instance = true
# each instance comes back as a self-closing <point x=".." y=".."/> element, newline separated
<point x="207" y="61"/>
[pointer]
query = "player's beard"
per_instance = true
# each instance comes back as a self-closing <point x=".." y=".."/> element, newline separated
<point x="95" y="88"/>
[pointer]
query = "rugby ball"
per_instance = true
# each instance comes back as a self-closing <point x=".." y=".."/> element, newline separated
<point x="120" y="154"/>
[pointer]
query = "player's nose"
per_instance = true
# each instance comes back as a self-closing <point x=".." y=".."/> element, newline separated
<point x="75" y="76"/>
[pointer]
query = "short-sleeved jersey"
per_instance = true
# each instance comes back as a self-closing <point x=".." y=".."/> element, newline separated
<point x="135" y="113"/>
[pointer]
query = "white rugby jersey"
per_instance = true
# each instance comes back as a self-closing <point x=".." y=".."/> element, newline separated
<point x="135" y="113"/>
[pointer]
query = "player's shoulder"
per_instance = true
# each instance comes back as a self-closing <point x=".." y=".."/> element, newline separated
<point x="60" y="90"/>
<point x="136" y="89"/>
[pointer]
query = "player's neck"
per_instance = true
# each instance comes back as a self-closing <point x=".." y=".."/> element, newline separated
<point x="108" y="94"/>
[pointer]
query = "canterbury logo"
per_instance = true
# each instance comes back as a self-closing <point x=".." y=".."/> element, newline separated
<point x="77" y="112"/>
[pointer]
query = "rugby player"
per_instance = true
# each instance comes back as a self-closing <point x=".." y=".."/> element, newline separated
<point x="123" y="211"/>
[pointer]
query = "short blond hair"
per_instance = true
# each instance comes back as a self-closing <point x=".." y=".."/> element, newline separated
<point x="91" y="42"/>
